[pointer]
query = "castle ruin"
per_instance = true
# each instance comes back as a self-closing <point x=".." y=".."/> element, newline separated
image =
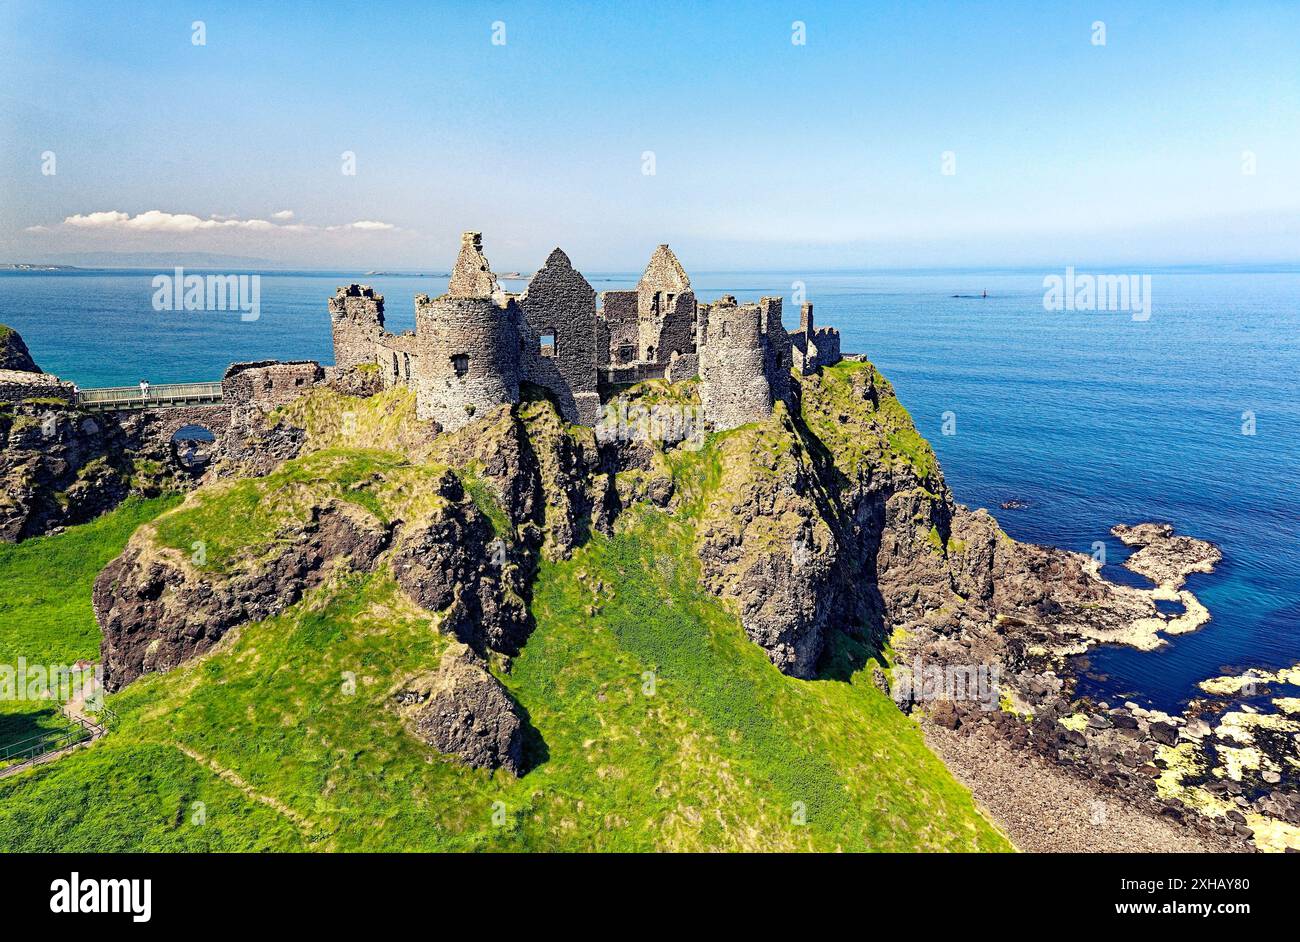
<point x="473" y="346"/>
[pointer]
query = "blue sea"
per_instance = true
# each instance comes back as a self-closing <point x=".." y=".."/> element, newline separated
<point x="1089" y="418"/>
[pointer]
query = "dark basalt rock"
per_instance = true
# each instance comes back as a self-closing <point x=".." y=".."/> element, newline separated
<point x="157" y="610"/>
<point x="59" y="467"/>
<point x="14" y="354"/>
<point x="1166" y="733"/>
<point x="454" y="562"/>
<point x="463" y="710"/>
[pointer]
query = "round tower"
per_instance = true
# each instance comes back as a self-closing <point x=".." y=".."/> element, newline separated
<point x="733" y="381"/>
<point x="469" y="358"/>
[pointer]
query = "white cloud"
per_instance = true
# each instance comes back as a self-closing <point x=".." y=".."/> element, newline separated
<point x="155" y="220"/>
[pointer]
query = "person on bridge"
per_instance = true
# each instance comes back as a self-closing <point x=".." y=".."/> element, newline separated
<point x="144" y="389"/>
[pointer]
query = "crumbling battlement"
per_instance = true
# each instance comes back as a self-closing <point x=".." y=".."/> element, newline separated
<point x="813" y="347"/>
<point x="475" y="345"/>
<point x="357" y="320"/>
<point x="268" y="384"/>
<point x="17" y="385"/>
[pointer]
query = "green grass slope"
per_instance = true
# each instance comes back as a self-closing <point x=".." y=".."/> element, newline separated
<point x="656" y="724"/>
<point x="45" y="613"/>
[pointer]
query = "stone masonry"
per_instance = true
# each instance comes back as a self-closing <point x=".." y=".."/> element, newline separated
<point x="474" y="346"/>
<point x="734" y="383"/>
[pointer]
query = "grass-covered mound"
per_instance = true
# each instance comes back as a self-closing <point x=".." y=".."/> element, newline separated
<point x="654" y="722"/>
<point x="45" y="611"/>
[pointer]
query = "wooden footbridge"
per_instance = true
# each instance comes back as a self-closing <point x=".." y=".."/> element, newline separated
<point x="164" y="396"/>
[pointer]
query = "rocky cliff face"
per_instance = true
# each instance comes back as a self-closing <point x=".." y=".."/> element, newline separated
<point x="831" y="518"/>
<point x="14" y="354"/>
<point x="60" y="466"/>
<point x="158" y="606"/>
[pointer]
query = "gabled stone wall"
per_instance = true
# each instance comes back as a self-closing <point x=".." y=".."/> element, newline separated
<point x="559" y="338"/>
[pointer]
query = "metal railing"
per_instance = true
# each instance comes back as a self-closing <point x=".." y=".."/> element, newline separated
<point x="34" y="748"/>
<point x="160" y="396"/>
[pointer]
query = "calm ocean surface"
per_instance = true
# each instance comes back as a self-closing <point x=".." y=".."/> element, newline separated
<point x="1091" y="418"/>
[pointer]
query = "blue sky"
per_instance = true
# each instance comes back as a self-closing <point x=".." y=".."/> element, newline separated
<point x="767" y="154"/>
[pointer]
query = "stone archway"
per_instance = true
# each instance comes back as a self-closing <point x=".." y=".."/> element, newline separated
<point x="193" y="447"/>
<point x="162" y="434"/>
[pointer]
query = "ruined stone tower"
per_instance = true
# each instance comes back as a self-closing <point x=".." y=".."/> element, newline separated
<point x="468" y="343"/>
<point x="357" y="321"/>
<point x="813" y="347"/>
<point x="472" y="277"/>
<point x="734" y="387"/>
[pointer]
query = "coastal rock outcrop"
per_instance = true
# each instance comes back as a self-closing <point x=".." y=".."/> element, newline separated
<point x="1164" y="558"/>
<point x="60" y="467"/>
<point x="831" y="515"/>
<point x="14" y="354"/>
<point x="461" y="709"/>
<point x="158" y="607"/>
<point x="550" y="478"/>
<point x="767" y="540"/>
<point x="453" y="562"/>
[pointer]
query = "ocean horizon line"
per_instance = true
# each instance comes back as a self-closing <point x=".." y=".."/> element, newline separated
<point x="509" y="274"/>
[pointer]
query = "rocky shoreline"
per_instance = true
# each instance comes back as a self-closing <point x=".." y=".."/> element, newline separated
<point x="1216" y="773"/>
<point x="1044" y="808"/>
<point x="831" y="517"/>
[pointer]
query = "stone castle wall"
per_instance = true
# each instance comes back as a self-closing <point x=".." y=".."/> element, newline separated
<point x="778" y="355"/>
<point x="269" y="383"/>
<point x="620" y="316"/>
<point x="17" y="385"/>
<point x="813" y="347"/>
<point x="473" y="346"/>
<point x="357" y="321"/>
<point x="734" y="387"/>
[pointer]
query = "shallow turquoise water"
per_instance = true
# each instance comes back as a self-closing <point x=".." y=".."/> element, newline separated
<point x="1091" y="418"/>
